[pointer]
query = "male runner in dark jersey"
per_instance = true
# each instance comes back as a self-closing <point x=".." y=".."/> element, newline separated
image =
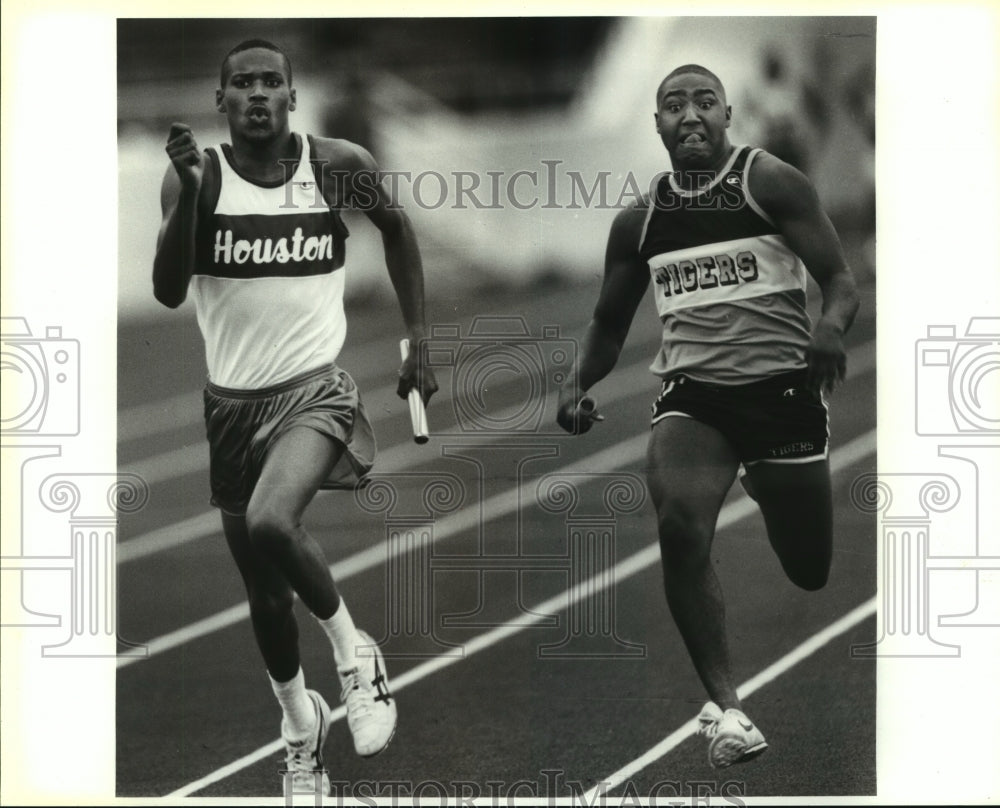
<point x="262" y="250"/>
<point x="727" y="238"/>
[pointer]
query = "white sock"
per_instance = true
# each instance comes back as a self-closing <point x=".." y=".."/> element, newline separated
<point x="343" y="635"/>
<point x="299" y="711"/>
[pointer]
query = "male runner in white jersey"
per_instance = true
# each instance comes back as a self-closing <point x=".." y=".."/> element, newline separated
<point x="727" y="238"/>
<point x="263" y="252"/>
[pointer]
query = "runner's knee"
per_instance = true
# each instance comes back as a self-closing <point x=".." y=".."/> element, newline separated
<point x="270" y="529"/>
<point x="685" y="539"/>
<point x="271" y="606"/>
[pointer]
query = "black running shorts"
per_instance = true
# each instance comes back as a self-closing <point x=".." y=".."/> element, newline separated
<point x="242" y="425"/>
<point x="774" y="420"/>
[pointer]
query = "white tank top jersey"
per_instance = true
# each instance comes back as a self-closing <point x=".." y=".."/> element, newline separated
<point x="730" y="293"/>
<point x="269" y="279"/>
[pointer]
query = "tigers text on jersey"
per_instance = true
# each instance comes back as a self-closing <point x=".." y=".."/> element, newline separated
<point x="729" y="291"/>
<point x="268" y="283"/>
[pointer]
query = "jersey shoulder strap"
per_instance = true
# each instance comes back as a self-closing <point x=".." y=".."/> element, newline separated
<point x="317" y="167"/>
<point x="211" y="184"/>
<point x="208" y="200"/>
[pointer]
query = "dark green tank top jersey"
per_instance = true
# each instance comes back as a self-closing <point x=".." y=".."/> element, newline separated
<point x="730" y="293"/>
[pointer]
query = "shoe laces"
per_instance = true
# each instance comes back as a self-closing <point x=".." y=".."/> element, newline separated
<point x="708" y="726"/>
<point x="299" y="756"/>
<point x="356" y="695"/>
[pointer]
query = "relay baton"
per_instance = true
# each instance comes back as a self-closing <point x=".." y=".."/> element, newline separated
<point x="418" y="415"/>
<point x="587" y="408"/>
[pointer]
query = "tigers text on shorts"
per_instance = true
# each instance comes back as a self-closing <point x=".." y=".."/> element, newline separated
<point x="243" y="425"/>
<point x="774" y="420"/>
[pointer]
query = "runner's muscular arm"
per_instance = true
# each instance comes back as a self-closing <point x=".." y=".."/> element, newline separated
<point x="788" y="197"/>
<point x="173" y="264"/>
<point x="626" y="277"/>
<point x="402" y="255"/>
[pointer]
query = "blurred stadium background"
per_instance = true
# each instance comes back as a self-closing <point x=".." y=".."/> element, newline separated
<point x="503" y="95"/>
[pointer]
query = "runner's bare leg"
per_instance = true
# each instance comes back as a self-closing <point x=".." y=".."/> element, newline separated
<point x="797" y="504"/>
<point x="275" y="555"/>
<point x="691" y="467"/>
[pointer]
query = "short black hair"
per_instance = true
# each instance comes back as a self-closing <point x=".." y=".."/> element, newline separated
<point x="250" y="44"/>
<point x="692" y="68"/>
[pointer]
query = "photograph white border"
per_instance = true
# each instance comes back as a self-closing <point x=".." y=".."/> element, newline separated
<point x="937" y="68"/>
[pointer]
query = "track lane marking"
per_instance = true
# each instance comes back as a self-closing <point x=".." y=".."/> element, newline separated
<point x="495" y="507"/>
<point x="620" y="454"/>
<point x="184" y="409"/>
<point x="193" y="457"/>
<point x="399" y="457"/>
<point x="852" y="452"/>
<point x="769" y="674"/>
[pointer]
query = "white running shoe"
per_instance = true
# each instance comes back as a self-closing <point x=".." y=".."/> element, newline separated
<point x="304" y="758"/>
<point x="733" y="738"/>
<point x="371" y="709"/>
<point x="708" y="718"/>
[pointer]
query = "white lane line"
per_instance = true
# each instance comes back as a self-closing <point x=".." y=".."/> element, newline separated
<point x="400" y="457"/>
<point x="467" y="518"/>
<point x="172" y="464"/>
<point x="535" y="614"/>
<point x="192" y="458"/>
<point x="739" y="509"/>
<point x="169" y="536"/>
<point x="163" y="415"/>
<point x="471" y="516"/>
<point x="769" y="674"/>
<point x="184" y="409"/>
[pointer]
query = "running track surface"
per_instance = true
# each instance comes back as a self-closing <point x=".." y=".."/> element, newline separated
<point x="494" y="695"/>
